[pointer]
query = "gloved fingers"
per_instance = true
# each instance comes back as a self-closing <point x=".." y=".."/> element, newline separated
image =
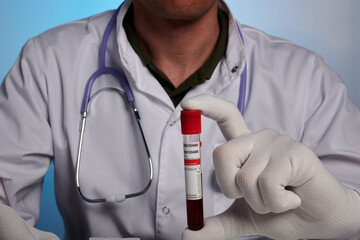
<point x="247" y="179"/>
<point x="291" y="165"/>
<point x="226" y="114"/>
<point x="228" y="160"/>
<point x="267" y="172"/>
<point x="42" y="235"/>
<point x="12" y="226"/>
<point x="274" y="184"/>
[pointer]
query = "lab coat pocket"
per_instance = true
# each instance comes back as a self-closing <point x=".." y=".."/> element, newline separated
<point x="221" y="202"/>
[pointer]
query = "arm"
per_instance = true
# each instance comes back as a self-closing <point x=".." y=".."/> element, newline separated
<point x="332" y="124"/>
<point x="25" y="143"/>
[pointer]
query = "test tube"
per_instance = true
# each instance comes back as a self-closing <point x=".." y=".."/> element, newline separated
<point x="191" y="129"/>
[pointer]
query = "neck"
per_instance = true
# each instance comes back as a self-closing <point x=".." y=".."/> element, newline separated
<point x="177" y="47"/>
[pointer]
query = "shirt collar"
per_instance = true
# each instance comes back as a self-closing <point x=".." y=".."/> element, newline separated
<point x="198" y="77"/>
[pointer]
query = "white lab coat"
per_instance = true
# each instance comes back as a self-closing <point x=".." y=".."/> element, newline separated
<point x="289" y="89"/>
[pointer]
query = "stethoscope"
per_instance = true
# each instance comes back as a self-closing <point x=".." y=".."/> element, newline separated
<point x="119" y="197"/>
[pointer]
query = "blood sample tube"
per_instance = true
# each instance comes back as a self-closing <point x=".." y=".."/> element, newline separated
<point x="191" y="129"/>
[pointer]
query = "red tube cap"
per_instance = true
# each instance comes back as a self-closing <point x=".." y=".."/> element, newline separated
<point x="190" y="122"/>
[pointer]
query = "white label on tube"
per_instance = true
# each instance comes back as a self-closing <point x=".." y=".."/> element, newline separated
<point x="192" y="171"/>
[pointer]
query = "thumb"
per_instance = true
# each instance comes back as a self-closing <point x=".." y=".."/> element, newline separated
<point x="234" y="222"/>
<point x="212" y="230"/>
<point x="225" y="113"/>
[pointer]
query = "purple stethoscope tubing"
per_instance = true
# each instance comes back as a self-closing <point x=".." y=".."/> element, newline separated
<point x="119" y="197"/>
<point x="243" y="77"/>
<point x="106" y="70"/>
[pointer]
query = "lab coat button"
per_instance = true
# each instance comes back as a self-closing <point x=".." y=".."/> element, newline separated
<point x="235" y="69"/>
<point x="166" y="210"/>
<point x="173" y="123"/>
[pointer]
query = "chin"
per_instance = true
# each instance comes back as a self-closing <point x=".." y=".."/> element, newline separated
<point x="179" y="9"/>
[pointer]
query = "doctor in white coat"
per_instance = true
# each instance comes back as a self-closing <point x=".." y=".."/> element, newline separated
<point x="288" y="167"/>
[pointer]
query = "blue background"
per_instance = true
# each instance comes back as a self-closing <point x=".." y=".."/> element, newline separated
<point x="328" y="27"/>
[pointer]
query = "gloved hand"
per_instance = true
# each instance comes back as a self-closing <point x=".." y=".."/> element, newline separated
<point x="13" y="227"/>
<point x="282" y="189"/>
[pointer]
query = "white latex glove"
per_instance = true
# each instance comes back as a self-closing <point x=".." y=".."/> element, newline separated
<point x="13" y="227"/>
<point x="282" y="189"/>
